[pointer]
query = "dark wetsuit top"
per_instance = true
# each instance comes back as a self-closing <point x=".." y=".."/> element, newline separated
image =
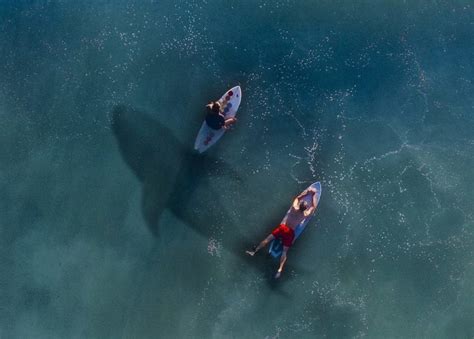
<point x="215" y="120"/>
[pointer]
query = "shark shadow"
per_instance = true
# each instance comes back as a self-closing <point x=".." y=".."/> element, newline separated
<point x="171" y="174"/>
<point x="168" y="171"/>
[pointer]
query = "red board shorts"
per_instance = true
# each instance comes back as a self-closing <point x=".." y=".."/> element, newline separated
<point x="285" y="233"/>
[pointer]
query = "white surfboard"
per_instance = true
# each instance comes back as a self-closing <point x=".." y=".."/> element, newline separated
<point x="276" y="247"/>
<point x="230" y="103"/>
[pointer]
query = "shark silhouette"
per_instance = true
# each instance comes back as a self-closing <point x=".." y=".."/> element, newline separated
<point x="171" y="172"/>
<point x="168" y="171"/>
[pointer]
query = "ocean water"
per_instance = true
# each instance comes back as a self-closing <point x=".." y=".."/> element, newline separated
<point x="111" y="227"/>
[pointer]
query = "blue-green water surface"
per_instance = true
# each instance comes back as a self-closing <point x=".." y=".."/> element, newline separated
<point x="111" y="227"/>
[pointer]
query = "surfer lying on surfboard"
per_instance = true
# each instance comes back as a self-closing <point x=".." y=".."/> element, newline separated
<point x="215" y="119"/>
<point x="298" y="212"/>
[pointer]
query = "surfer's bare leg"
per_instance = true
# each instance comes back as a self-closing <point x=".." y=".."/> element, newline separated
<point x="261" y="245"/>
<point x="283" y="258"/>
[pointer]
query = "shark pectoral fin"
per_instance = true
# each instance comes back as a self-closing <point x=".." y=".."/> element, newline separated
<point x="213" y="167"/>
<point x="154" y="201"/>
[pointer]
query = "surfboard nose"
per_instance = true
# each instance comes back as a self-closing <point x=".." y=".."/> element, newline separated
<point x="318" y="186"/>
<point x="238" y="91"/>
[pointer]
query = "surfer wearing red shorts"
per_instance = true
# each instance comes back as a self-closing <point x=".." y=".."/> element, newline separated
<point x="298" y="212"/>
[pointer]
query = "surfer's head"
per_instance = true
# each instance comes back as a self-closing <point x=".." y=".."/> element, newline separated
<point x="215" y="107"/>
<point x="303" y="206"/>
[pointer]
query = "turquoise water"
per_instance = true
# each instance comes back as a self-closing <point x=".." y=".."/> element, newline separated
<point x="111" y="227"/>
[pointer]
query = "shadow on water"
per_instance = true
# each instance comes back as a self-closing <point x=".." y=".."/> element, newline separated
<point x="171" y="173"/>
<point x="167" y="170"/>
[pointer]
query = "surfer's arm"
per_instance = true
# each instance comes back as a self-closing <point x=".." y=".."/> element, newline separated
<point x="302" y="194"/>
<point x="283" y="258"/>
<point x="229" y="122"/>
<point x="295" y="203"/>
<point x="297" y="199"/>
<point x="315" y="204"/>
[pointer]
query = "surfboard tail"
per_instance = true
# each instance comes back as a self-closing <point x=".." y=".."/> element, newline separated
<point x="276" y="248"/>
